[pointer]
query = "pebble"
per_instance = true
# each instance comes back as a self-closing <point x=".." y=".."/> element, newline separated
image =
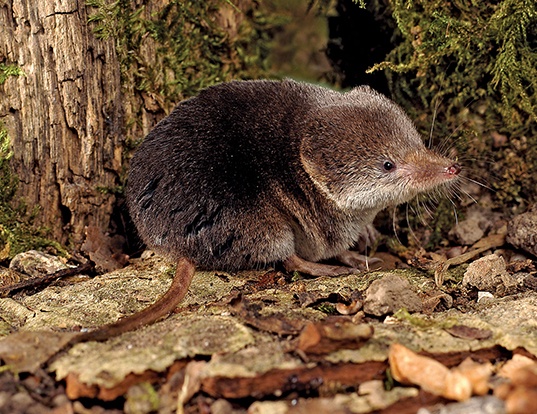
<point x="389" y="294"/>
<point x="35" y="263"/>
<point x="489" y="274"/>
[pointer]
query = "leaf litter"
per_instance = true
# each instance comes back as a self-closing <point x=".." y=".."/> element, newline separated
<point x="261" y="342"/>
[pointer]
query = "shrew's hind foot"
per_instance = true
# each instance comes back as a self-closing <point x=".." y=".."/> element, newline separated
<point x="356" y="260"/>
<point x="295" y="263"/>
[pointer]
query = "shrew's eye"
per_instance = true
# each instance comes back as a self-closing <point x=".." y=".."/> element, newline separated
<point x="388" y="165"/>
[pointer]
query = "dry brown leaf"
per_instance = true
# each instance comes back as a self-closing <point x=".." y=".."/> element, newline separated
<point x="309" y="337"/>
<point x="467" y="332"/>
<point x="410" y="368"/>
<point x="457" y="386"/>
<point x="191" y="384"/>
<point x="513" y="368"/>
<point x="520" y="394"/>
<point x="434" y="299"/>
<point x="478" y="375"/>
<point x="285" y="380"/>
<point x="277" y="322"/>
<point x="75" y="389"/>
<point x="521" y="400"/>
<point x="104" y="250"/>
<point x="349" y="309"/>
<point x="333" y="334"/>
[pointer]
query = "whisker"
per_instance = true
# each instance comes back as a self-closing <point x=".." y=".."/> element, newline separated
<point x="429" y="209"/>
<point x="395" y="226"/>
<point x="411" y="207"/>
<point x="478" y="183"/>
<point x="424" y="206"/>
<point x="454" y="194"/>
<point x="452" y="203"/>
<point x="467" y="194"/>
<point x="410" y="231"/>
<point x="437" y="105"/>
<point x="456" y="215"/>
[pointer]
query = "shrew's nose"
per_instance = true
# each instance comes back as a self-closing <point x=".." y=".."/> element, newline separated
<point x="455" y="169"/>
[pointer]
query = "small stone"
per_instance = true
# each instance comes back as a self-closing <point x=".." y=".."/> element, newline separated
<point x="474" y="227"/>
<point x="469" y="231"/>
<point x="35" y="263"/>
<point x="221" y="406"/>
<point x="490" y="274"/>
<point x="487" y="404"/>
<point x="484" y="296"/>
<point x="268" y="407"/>
<point x="389" y="294"/>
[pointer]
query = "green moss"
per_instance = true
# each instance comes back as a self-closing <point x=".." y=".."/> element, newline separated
<point x="192" y="51"/>
<point x="8" y="183"/>
<point x="118" y="189"/>
<point x="170" y="271"/>
<point x="170" y="54"/>
<point x="324" y="5"/>
<point x="9" y="70"/>
<point x="142" y="398"/>
<point x="327" y="308"/>
<point x="479" y="61"/>
<point x="415" y="320"/>
<point x="466" y="51"/>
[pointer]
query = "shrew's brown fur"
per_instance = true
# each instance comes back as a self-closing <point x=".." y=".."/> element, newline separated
<point x="252" y="173"/>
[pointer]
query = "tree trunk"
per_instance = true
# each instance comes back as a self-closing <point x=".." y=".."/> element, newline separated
<point x="65" y="116"/>
<point x="84" y="100"/>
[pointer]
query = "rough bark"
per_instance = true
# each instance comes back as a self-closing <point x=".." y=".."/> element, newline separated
<point x="65" y="116"/>
<point x="83" y="99"/>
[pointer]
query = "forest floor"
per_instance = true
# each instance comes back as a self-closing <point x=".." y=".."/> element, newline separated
<point x="390" y="340"/>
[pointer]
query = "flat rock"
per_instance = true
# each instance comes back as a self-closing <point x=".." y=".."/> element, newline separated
<point x="35" y="263"/>
<point x="389" y="294"/>
<point x="489" y="274"/>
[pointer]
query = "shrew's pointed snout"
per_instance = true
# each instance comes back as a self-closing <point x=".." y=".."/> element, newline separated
<point x="454" y="169"/>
